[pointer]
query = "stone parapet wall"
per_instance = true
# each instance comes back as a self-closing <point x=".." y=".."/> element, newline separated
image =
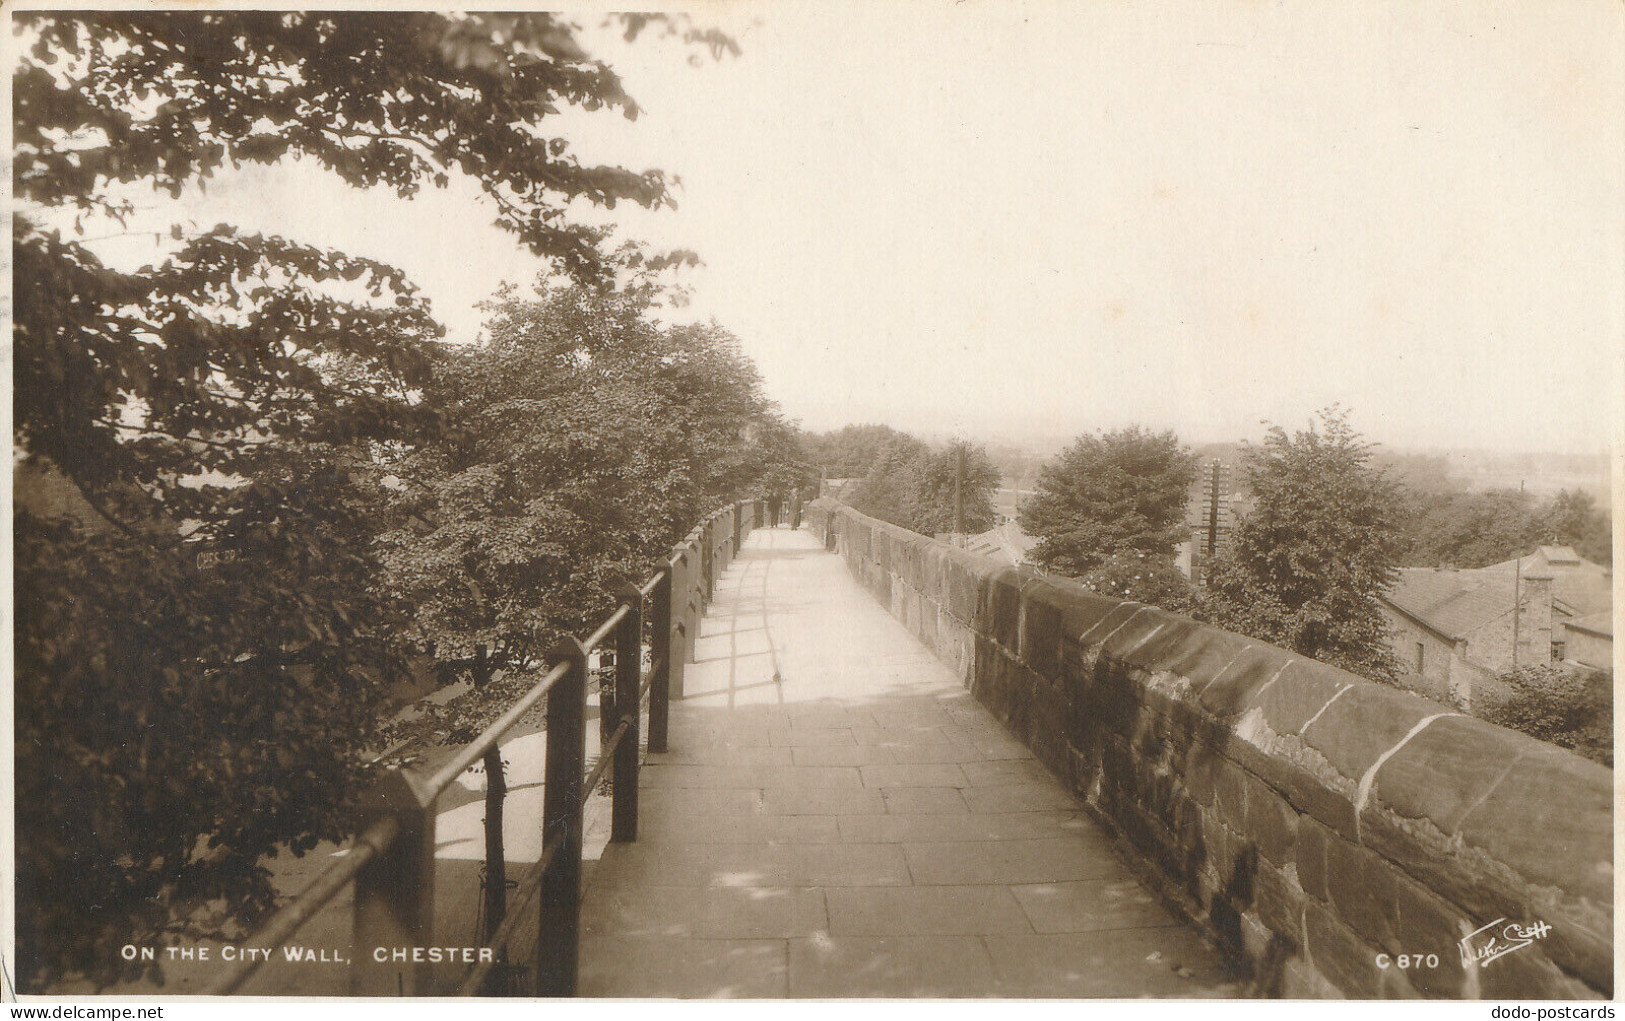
<point x="1319" y="824"/>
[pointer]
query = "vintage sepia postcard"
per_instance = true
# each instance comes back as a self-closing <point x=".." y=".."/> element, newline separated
<point x="787" y="500"/>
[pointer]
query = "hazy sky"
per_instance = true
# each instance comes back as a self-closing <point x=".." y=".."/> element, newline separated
<point x="1011" y="219"/>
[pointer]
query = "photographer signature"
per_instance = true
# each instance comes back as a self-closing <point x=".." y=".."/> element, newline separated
<point x="1481" y="946"/>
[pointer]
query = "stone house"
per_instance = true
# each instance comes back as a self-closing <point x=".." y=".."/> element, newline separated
<point x="1453" y="630"/>
<point x="1589" y="641"/>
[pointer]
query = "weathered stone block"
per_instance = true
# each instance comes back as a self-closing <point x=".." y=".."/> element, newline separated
<point x="1294" y="692"/>
<point x="1040" y="643"/>
<point x="1083" y="612"/>
<point x="1446" y="770"/>
<point x="1234" y="862"/>
<point x="1307" y="792"/>
<point x="930" y="614"/>
<point x="1156" y="649"/>
<point x="1311" y="857"/>
<point x="880" y="585"/>
<point x="1201" y="768"/>
<point x="1278" y="903"/>
<point x="1360" y="891"/>
<point x="1362" y="723"/>
<point x="1116" y="759"/>
<point x="1109" y="703"/>
<point x="1234" y="683"/>
<point x="1118" y="639"/>
<point x="1098" y="627"/>
<point x="1001" y="617"/>
<point x="928" y="564"/>
<point x="1271" y="822"/>
<point x="1554" y="801"/>
<point x="1230" y="795"/>
<point x="1201" y="654"/>
<point x="1343" y="958"/>
<point x="963" y="586"/>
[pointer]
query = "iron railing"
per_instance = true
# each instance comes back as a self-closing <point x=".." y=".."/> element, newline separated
<point x="391" y="860"/>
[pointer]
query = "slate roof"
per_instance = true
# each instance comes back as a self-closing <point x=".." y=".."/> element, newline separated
<point x="1582" y="587"/>
<point x="1560" y="555"/>
<point x="1452" y="603"/>
<point x="1595" y="623"/>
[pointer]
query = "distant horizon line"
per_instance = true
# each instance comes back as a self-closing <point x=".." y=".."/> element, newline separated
<point x="1603" y="452"/>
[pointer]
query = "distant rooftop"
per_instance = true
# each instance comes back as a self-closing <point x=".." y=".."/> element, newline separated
<point x="1594" y="623"/>
<point x="1454" y="602"/>
<point x="1451" y="602"/>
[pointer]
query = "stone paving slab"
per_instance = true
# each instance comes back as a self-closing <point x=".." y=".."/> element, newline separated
<point x="669" y="967"/>
<point x="925" y="911"/>
<point x="917" y="828"/>
<point x="1092" y="905"/>
<point x="824" y="966"/>
<point x="1164" y="962"/>
<point x="754" y="912"/>
<point x="837" y="817"/>
<point x="1050" y="860"/>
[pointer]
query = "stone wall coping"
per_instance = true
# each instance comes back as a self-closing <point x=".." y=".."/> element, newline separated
<point x="1444" y="796"/>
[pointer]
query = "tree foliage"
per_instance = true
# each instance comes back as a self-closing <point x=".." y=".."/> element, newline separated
<point x="1570" y="708"/>
<point x="1143" y="578"/>
<point x="912" y="485"/>
<point x="849" y="452"/>
<point x="1572" y="518"/>
<point x="931" y="484"/>
<point x="580" y="441"/>
<point x="1463" y="529"/>
<point x="1307" y="567"/>
<point x="1466" y="529"/>
<point x="176" y="724"/>
<point x="1123" y="493"/>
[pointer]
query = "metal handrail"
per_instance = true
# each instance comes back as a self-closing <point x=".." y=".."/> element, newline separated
<point x="606" y="756"/>
<point x="282" y="925"/>
<point x="593" y="640"/>
<point x="409" y="808"/>
<point x="647" y="588"/>
<point x="522" y="897"/>
<point x="471" y="752"/>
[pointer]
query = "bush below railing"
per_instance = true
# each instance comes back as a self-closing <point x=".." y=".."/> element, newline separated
<point x="392" y="860"/>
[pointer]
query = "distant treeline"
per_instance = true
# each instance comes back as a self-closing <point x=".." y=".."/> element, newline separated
<point x="905" y="480"/>
<point x="1443" y="522"/>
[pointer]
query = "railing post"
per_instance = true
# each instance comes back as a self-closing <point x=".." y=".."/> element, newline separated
<point x="623" y="826"/>
<point x="682" y="590"/>
<point x="739" y="523"/>
<point x="660" y="654"/>
<point x="558" y="923"/>
<point x="696" y="594"/>
<point x="394" y="892"/>
<point x="715" y="537"/>
<point x="705" y="562"/>
<point x="719" y="560"/>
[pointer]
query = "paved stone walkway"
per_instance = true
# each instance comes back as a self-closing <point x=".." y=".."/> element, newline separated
<point x="838" y="817"/>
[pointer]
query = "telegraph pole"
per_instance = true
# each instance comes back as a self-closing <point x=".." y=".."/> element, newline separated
<point x="1517" y="583"/>
<point x="959" y="493"/>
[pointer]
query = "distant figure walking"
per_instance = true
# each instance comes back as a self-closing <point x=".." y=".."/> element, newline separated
<point x="774" y="500"/>
<point x="795" y="508"/>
